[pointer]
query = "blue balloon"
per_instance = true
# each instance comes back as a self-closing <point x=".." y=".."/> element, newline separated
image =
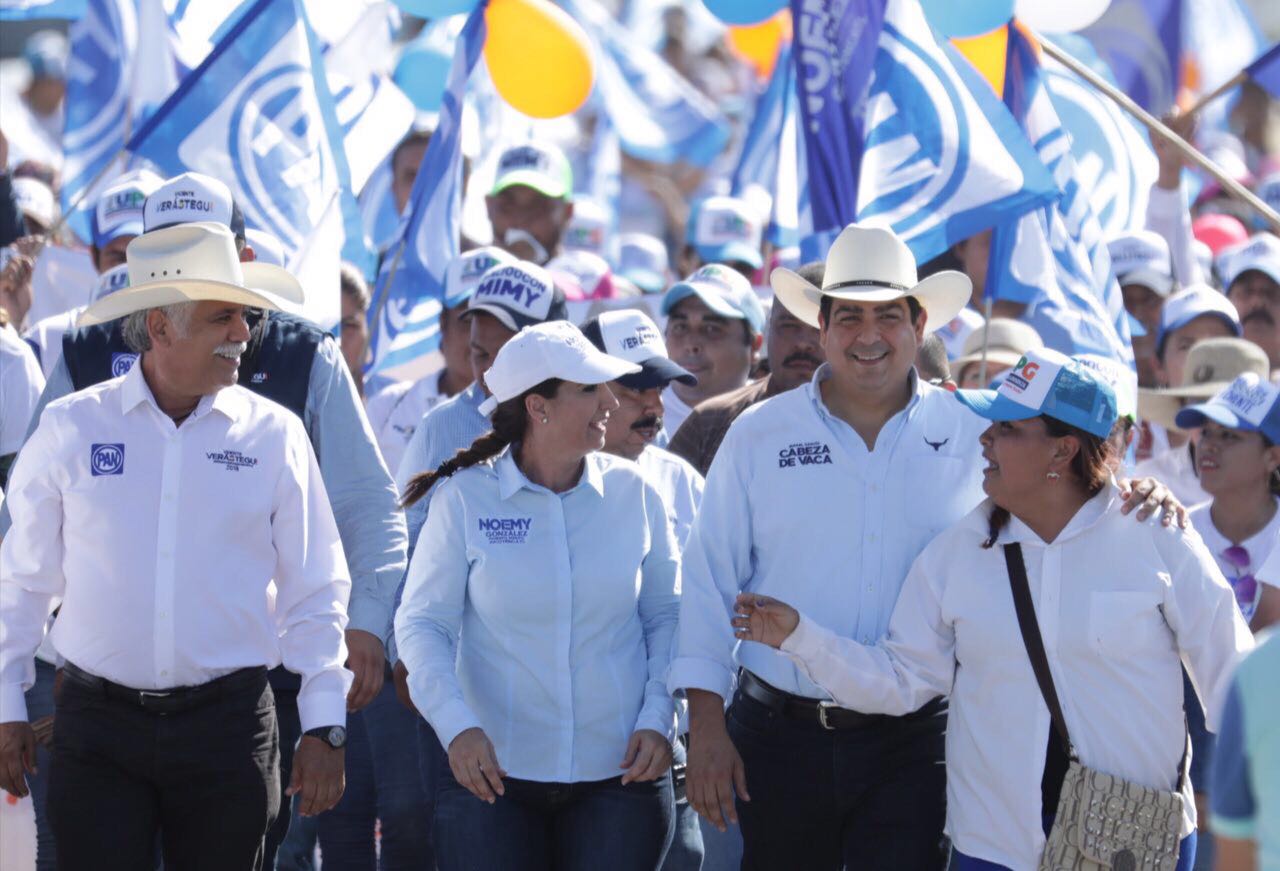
<point x="436" y="8"/>
<point x="423" y="73"/>
<point x="953" y="19"/>
<point x="741" y="12"/>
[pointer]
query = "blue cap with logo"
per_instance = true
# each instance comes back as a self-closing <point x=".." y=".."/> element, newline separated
<point x="119" y="209"/>
<point x="1250" y="403"/>
<point x="466" y="270"/>
<point x="1049" y="383"/>
<point x="723" y="290"/>
<point x="1196" y="301"/>
<point x="519" y="295"/>
<point x="725" y="230"/>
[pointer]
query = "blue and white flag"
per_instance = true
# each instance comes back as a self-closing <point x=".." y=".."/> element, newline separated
<point x="1114" y="161"/>
<point x="24" y="10"/>
<point x="659" y="116"/>
<point x="1141" y="40"/>
<point x="896" y="137"/>
<point x="1217" y="37"/>
<point x="1055" y="258"/>
<point x="257" y="114"/>
<point x="405" y="329"/>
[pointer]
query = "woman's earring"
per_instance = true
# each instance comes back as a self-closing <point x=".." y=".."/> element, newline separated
<point x="1053" y="476"/>
<point x="544" y="419"/>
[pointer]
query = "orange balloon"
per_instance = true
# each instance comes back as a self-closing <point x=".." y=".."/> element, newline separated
<point x="987" y="52"/>
<point x="538" y="57"/>
<point x="758" y="44"/>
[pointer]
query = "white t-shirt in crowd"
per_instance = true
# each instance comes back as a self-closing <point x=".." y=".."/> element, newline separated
<point x="21" y="383"/>
<point x="1259" y="547"/>
<point x="674" y="412"/>
<point x="396" y="410"/>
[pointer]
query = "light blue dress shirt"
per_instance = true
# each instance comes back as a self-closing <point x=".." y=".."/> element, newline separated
<point x="796" y="507"/>
<point x="544" y="618"/>
<point x="360" y="489"/>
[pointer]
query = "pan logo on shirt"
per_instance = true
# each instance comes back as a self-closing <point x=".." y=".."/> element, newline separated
<point x="106" y="459"/>
<point x="804" y="454"/>
<point x="505" y="530"/>
<point x="233" y="460"/>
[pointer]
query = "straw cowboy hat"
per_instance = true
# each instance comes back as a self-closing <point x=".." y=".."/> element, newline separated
<point x="1211" y="366"/>
<point x="1006" y="341"/>
<point x="870" y="264"/>
<point x="190" y="263"/>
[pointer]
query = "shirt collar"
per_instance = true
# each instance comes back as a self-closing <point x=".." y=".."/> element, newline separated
<point x="135" y="391"/>
<point x="823" y="372"/>
<point x="1088" y="515"/>
<point x="511" y="480"/>
<point x="474" y="394"/>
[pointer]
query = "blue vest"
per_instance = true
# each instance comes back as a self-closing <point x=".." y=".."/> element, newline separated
<point x="277" y="364"/>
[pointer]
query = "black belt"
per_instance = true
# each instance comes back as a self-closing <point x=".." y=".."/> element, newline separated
<point x="825" y="713"/>
<point x="171" y="701"/>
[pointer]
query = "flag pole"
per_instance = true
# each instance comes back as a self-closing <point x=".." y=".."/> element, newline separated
<point x="1188" y="151"/>
<point x="1205" y="99"/>
<point x="386" y="291"/>
<point x="986" y="336"/>
<point x="84" y="192"/>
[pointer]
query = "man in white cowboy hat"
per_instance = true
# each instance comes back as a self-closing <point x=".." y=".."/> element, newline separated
<point x="182" y="522"/>
<point x="297" y="364"/>
<point x="827" y="493"/>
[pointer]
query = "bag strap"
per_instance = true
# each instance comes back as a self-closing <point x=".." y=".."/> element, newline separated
<point x="1034" y="643"/>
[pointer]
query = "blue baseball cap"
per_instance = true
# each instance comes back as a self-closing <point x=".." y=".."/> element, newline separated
<point x="1184" y="307"/>
<point x="725" y="230"/>
<point x="1049" y="383"/>
<point x="724" y="290"/>
<point x="1249" y="403"/>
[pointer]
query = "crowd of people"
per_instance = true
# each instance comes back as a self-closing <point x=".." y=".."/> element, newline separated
<point x="685" y="555"/>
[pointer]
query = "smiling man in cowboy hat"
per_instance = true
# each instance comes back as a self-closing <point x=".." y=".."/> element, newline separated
<point x="181" y="521"/>
<point x="828" y="493"/>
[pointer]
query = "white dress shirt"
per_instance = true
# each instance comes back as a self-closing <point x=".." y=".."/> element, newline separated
<point x="674" y="412"/>
<point x="798" y="508"/>
<point x="678" y="483"/>
<point x="20" y="384"/>
<point x="1259" y="546"/>
<point x="163" y="541"/>
<point x="566" y="604"/>
<point x="396" y="410"/>
<point x="1119" y="605"/>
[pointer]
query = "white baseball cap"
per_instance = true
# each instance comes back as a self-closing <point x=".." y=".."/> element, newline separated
<point x="466" y="270"/>
<point x="115" y="278"/>
<point x="642" y="260"/>
<point x="555" y="349"/>
<point x="588" y="228"/>
<point x="1142" y="257"/>
<point x="631" y="335"/>
<point x="518" y="294"/>
<point x="35" y="200"/>
<point x="119" y="208"/>
<point x="726" y="230"/>
<point x="1261" y="252"/>
<point x="1184" y="307"/>
<point x="189" y="198"/>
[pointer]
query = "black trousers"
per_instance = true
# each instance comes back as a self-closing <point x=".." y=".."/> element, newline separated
<point x="203" y="781"/>
<point x="864" y="799"/>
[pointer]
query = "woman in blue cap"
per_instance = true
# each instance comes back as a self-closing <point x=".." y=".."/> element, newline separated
<point x="1238" y="461"/>
<point x="1114" y="605"/>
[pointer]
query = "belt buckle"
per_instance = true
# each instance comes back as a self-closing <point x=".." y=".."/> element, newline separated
<point x="159" y="695"/>
<point x="824" y="706"/>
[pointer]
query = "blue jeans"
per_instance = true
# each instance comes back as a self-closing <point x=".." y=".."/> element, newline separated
<point x="871" y="797"/>
<point x="961" y="862"/>
<point x="383" y="786"/>
<point x="298" y="851"/>
<point x="535" y="826"/>
<point x="39" y="701"/>
<point x="285" y="685"/>
<point x="686" y="853"/>
<point x="432" y="759"/>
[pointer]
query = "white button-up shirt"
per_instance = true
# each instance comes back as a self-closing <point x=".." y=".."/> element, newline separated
<point x="566" y="604"/>
<point x="1119" y="605"/>
<point x="396" y="410"/>
<point x="163" y="541"/>
<point x="798" y="508"/>
<point x="679" y="484"/>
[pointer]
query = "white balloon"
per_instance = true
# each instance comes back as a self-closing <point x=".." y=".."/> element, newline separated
<point x="1060" y="16"/>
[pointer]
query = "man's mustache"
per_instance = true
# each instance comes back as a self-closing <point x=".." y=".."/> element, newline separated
<point x="652" y="421"/>
<point x="1261" y="315"/>
<point x="801" y="357"/>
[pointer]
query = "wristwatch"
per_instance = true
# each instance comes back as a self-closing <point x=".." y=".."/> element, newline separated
<point x="334" y="736"/>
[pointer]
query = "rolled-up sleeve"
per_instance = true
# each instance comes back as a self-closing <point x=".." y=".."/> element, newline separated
<point x="659" y="608"/>
<point x="31" y="577"/>
<point x="312" y="586"/>
<point x="715" y="567"/>
<point x="429" y="618"/>
<point x="361" y="492"/>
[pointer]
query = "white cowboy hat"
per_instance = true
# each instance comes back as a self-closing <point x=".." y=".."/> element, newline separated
<point x="870" y="264"/>
<point x="189" y="263"/>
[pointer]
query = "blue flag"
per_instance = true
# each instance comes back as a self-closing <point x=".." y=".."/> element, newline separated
<point x="257" y="114"/>
<point x="1055" y="258"/>
<point x="658" y="115"/>
<point x="405" y="325"/>
<point x="23" y="10"/>
<point x="1266" y="71"/>
<point x="896" y="136"/>
<point x="1141" y="40"/>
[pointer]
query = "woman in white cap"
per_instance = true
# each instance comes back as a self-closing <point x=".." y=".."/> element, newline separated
<point x="1238" y="458"/>
<point x="536" y="625"/>
<point x="1074" y="661"/>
